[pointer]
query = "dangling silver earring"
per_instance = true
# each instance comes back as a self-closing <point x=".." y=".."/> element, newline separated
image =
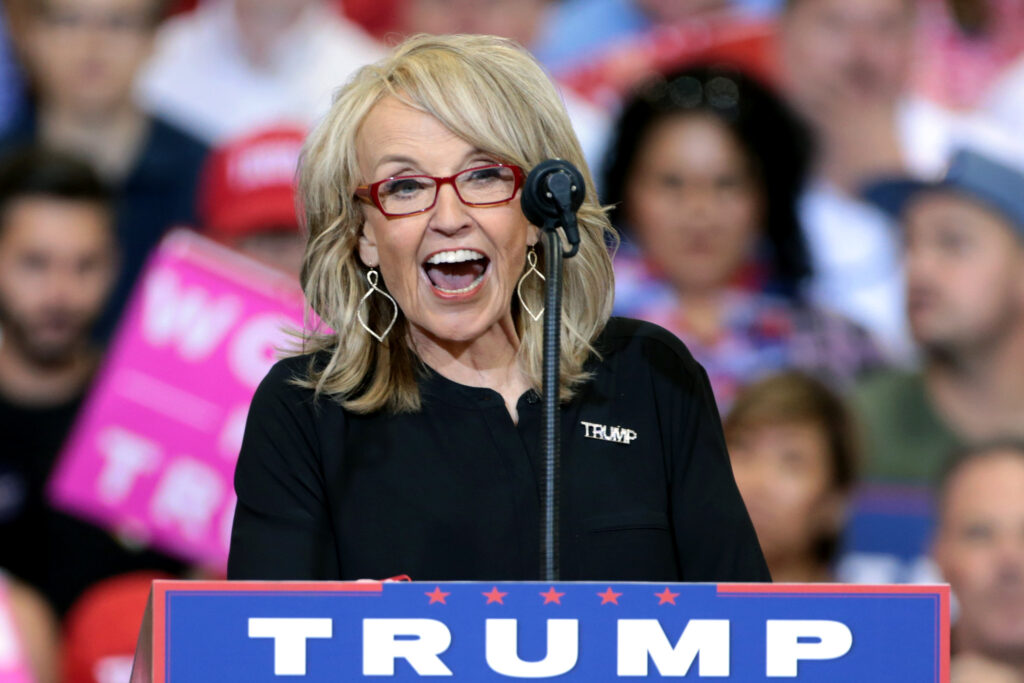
<point x="372" y="277"/>
<point x="531" y="260"/>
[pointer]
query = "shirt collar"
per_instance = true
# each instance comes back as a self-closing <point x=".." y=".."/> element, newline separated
<point x="434" y="385"/>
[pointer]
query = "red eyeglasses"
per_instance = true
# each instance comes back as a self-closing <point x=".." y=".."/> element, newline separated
<point x="407" y="195"/>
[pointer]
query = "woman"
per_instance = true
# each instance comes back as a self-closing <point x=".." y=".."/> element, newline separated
<point x="408" y="442"/>
<point x="705" y="171"/>
<point x="793" y="451"/>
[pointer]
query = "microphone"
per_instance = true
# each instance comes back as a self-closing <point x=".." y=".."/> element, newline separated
<point x="552" y="194"/>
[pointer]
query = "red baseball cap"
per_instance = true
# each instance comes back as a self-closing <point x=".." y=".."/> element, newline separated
<point x="248" y="184"/>
<point x="102" y="628"/>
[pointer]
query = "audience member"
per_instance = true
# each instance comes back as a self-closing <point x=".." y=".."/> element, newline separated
<point x="519" y="20"/>
<point x="704" y="172"/>
<point x="247" y="197"/>
<point x="979" y="547"/>
<point x="792" y="444"/>
<point x="29" y="640"/>
<point x="57" y="264"/>
<point x="964" y="258"/>
<point x="846" y="66"/>
<point x="82" y="57"/>
<point x="234" y="66"/>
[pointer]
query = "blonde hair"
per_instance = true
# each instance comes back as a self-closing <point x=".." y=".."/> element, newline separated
<point x="493" y="94"/>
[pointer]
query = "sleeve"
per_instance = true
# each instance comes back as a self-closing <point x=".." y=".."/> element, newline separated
<point x="715" y="539"/>
<point x="282" y="528"/>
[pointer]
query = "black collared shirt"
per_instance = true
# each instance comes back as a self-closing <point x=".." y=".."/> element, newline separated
<point x="452" y="492"/>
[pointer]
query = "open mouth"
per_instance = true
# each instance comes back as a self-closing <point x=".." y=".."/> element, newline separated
<point x="456" y="272"/>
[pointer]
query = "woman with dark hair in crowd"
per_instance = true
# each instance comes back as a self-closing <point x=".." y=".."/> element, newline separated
<point x="704" y="172"/>
<point x="794" y="454"/>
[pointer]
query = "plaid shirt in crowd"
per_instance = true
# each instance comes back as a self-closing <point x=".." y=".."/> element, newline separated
<point x="758" y="334"/>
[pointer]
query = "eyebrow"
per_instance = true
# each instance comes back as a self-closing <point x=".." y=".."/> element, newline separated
<point x="396" y="157"/>
<point x="404" y="159"/>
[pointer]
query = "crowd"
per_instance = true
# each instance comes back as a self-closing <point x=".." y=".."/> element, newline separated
<point x="824" y="199"/>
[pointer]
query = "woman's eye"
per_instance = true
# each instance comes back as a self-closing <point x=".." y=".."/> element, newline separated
<point x="978" y="533"/>
<point x="730" y="182"/>
<point x="670" y="182"/>
<point x="484" y="175"/>
<point x="403" y="187"/>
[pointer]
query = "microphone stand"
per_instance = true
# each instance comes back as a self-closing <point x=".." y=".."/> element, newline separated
<point x="552" y="194"/>
<point x="551" y="433"/>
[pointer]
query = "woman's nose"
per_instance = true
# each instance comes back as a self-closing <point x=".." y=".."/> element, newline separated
<point x="700" y="200"/>
<point x="450" y="215"/>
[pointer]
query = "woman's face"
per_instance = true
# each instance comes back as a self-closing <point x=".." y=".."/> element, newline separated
<point x="445" y="302"/>
<point x="692" y="202"/>
<point x="784" y="474"/>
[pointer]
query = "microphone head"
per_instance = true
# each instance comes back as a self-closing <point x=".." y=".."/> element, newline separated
<point x="549" y="185"/>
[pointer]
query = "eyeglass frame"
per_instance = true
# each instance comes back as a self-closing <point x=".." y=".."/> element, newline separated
<point x="369" y="193"/>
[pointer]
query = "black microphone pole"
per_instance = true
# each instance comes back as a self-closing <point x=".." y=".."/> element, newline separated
<point x="552" y="194"/>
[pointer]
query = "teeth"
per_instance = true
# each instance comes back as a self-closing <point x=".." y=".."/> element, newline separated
<point x="455" y="256"/>
<point x="464" y="289"/>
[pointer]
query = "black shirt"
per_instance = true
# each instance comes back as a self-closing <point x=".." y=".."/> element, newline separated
<point x="57" y="553"/>
<point x="452" y="492"/>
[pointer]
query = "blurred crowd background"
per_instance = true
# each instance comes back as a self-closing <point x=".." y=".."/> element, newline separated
<point x="823" y="198"/>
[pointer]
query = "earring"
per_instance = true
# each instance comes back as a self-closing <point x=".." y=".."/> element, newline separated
<point x="372" y="277"/>
<point x="531" y="260"/>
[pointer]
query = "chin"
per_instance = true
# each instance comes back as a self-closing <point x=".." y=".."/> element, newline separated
<point x="1005" y="638"/>
<point x="457" y="327"/>
<point x="52" y="354"/>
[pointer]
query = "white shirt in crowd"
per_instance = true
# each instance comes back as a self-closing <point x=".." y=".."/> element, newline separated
<point x="1005" y="102"/>
<point x="200" y="79"/>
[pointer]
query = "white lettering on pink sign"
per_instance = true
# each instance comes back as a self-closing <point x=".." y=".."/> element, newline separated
<point x="154" y="449"/>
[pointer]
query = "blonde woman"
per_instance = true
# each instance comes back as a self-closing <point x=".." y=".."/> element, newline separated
<point x="407" y="441"/>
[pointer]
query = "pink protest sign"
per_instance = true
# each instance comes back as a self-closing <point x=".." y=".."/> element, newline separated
<point x="153" y="452"/>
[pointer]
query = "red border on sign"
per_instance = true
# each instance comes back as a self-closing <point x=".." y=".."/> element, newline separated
<point x="161" y="587"/>
<point x="840" y="589"/>
<point x="798" y="588"/>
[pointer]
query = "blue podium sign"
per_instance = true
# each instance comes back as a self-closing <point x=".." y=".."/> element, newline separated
<point x="263" y="631"/>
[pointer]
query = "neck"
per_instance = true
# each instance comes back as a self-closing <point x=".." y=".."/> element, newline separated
<point x="860" y="144"/>
<point x="491" y="360"/>
<point x="701" y="310"/>
<point x="30" y="384"/>
<point x="981" y="393"/>
<point x="1008" y="662"/>
<point x="109" y="138"/>
<point x="798" y="570"/>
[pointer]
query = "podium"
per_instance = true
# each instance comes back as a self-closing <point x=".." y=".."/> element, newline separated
<point x="223" y="632"/>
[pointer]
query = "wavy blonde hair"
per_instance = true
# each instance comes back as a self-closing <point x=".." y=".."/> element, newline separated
<point x="493" y="94"/>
